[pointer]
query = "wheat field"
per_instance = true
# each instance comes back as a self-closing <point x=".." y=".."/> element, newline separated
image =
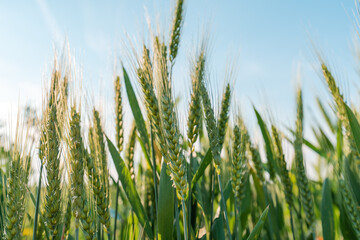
<point x="202" y="176"/>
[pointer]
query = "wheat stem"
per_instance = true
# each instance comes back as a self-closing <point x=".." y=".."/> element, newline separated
<point x="224" y="206"/>
<point x="212" y="194"/>
<point x="177" y="222"/>
<point x="184" y="219"/>
<point x="154" y="174"/>
<point x="116" y="207"/>
<point x="37" y="203"/>
<point x="238" y="226"/>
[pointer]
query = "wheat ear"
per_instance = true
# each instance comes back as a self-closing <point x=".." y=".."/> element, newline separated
<point x="52" y="164"/>
<point x="302" y="181"/>
<point x="119" y="115"/>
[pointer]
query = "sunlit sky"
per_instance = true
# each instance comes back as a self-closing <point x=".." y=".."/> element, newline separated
<point x="273" y="42"/>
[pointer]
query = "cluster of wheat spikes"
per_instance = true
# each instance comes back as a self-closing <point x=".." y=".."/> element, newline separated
<point x="160" y="182"/>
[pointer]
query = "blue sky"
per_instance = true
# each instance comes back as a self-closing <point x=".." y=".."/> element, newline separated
<point x="270" y="39"/>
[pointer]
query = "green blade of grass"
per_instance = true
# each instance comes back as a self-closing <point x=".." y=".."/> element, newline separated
<point x="353" y="179"/>
<point x="307" y="143"/>
<point x="223" y="203"/>
<point x="326" y="115"/>
<point x="268" y="146"/>
<point x="165" y="213"/>
<point x="339" y="144"/>
<point x="354" y="125"/>
<point x="37" y="203"/>
<point x="203" y="165"/>
<point x="326" y="141"/>
<point x="116" y="209"/>
<point x="203" y="201"/>
<point x="218" y="228"/>
<point x="121" y="194"/>
<point x="327" y="214"/>
<point x="255" y="233"/>
<point x="135" y="108"/>
<point x="245" y="204"/>
<point x="319" y="151"/>
<point x="147" y="157"/>
<point x="129" y="188"/>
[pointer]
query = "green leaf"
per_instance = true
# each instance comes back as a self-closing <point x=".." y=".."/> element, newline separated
<point x="279" y="214"/>
<point x="201" y="194"/>
<point x="255" y="233"/>
<point x="268" y="145"/>
<point x="353" y="179"/>
<point x="325" y="141"/>
<point x="245" y="204"/>
<point x="354" y="127"/>
<point x="227" y="190"/>
<point x="135" y="108"/>
<point x="37" y="203"/>
<point x="271" y="223"/>
<point x="121" y="194"/>
<point x="129" y="188"/>
<point x="339" y="142"/>
<point x="203" y="165"/>
<point x="218" y="228"/>
<point x="308" y="144"/>
<point x="326" y="116"/>
<point x="165" y="214"/>
<point x="327" y="212"/>
<point x="259" y="189"/>
<point x="147" y="157"/>
<point x="315" y="149"/>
